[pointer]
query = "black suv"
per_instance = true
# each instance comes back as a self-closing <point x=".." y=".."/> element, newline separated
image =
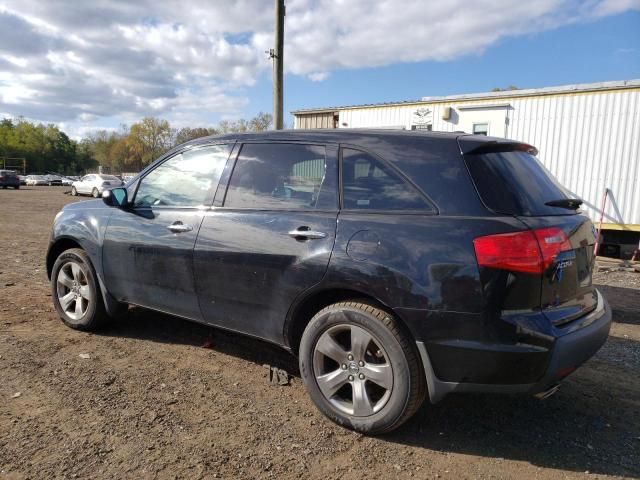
<point x="9" y="178"/>
<point x="396" y="265"/>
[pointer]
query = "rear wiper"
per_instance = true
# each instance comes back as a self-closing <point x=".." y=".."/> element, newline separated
<point x="569" y="203"/>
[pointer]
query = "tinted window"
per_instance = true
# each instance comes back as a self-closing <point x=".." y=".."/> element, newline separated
<point x="185" y="179"/>
<point x="515" y="183"/>
<point x="280" y="176"/>
<point x="368" y="183"/>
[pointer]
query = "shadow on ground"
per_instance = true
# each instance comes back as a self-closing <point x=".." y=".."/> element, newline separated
<point x="625" y="303"/>
<point x="591" y="425"/>
<point x="143" y="324"/>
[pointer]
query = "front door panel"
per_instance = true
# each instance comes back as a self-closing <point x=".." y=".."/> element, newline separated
<point x="147" y="264"/>
<point x="148" y="247"/>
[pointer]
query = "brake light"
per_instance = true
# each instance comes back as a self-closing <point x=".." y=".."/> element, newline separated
<point x="528" y="252"/>
<point x="552" y="241"/>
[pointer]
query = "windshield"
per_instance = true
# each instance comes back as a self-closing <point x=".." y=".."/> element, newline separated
<point x="516" y="183"/>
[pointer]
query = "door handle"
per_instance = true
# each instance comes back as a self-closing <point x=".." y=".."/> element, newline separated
<point x="305" y="233"/>
<point x="179" y="227"/>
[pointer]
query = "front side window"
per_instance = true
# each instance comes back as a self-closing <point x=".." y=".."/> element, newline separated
<point x="369" y="184"/>
<point x="280" y="176"/>
<point x="185" y="179"/>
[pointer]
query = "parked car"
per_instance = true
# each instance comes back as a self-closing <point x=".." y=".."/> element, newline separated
<point x="395" y="265"/>
<point x="9" y="178"/>
<point x="53" y="180"/>
<point x="67" y="181"/>
<point x="37" y="180"/>
<point x="23" y="179"/>
<point x="94" y="184"/>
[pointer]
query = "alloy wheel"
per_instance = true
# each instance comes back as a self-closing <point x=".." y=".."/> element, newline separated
<point x="73" y="289"/>
<point x="352" y="369"/>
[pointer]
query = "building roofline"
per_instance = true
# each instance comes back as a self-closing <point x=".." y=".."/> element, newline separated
<point x="530" y="92"/>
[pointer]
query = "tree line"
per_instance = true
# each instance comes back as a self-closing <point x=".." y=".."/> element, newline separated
<point x="129" y="149"/>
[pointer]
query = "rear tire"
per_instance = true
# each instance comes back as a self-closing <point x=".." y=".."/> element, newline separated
<point x="75" y="292"/>
<point x="360" y="368"/>
<point x="17" y="187"/>
<point x="95" y="193"/>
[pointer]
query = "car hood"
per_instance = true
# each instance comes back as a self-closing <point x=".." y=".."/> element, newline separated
<point x="84" y="205"/>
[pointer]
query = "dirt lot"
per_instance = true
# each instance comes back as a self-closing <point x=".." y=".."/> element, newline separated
<point x="151" y="402"/>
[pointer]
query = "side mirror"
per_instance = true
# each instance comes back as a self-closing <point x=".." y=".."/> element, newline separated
<point x="116" y="197"/>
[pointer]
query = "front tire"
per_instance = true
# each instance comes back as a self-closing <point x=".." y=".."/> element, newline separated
<point x="74" y="192"/>
<point x="360" y="368"/>
<point x="75" y="292"/>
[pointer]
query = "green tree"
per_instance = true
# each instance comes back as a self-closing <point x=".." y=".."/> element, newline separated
<point x="185" y="134"/>
<point x="147" y="140"/>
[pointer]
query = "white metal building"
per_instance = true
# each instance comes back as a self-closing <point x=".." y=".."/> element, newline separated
<point x="588" y="135"/>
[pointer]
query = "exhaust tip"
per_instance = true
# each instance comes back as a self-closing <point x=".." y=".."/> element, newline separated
<point x="547" y="393"/>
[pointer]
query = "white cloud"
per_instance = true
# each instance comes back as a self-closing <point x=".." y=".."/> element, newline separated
<point x="613" y="7"/>
<point x="318" y="76"/>
<point x="192" y="61"/>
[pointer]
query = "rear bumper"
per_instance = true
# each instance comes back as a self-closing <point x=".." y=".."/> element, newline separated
<point x="575" y="348"/>
<point x="569" y="352"/>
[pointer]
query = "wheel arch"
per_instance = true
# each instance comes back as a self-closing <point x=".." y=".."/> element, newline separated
<point x="62" y="244"/>
<point x="56" y="248"/>
<point x="301" y="313"/>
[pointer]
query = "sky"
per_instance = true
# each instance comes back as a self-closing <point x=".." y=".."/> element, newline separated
<point x="96" y="65"/>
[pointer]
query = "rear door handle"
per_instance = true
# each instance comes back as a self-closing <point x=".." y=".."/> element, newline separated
<point x="301" y="233"/>
<point x="179" y="227"/>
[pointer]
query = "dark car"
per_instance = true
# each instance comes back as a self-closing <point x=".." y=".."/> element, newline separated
<point x="395" y="265"/>
<point x="9" y="178"/>
<point x="53" y="180"/>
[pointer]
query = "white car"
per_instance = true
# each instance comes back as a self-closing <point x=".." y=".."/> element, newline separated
<point x="94" y="184"/>
<point x="36" y="180"/>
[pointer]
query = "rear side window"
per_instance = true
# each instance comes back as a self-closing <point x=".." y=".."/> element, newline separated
<point x="281" y="176"/>
<point x="369" y="184"/>
<point x="515" y="183"/>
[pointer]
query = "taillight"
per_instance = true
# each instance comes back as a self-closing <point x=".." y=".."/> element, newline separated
<point x="552" y="241"/>
<point x="531" y="251"/>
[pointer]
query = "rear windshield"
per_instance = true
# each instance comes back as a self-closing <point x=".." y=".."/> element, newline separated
<point x="516" y="183"/>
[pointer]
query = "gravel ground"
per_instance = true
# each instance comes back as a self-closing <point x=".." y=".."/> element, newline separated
<point x="158" y="397"/>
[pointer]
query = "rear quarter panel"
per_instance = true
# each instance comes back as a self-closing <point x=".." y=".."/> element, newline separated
<point x="423" y="267"/>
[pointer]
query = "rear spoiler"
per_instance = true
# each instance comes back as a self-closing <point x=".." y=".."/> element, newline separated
<point x="473" y="145"/>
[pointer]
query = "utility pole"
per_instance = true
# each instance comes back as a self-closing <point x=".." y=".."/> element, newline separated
<point x="278" y="60"/>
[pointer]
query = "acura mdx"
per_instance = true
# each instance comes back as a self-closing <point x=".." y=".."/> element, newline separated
<point x="396" y="265"/>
